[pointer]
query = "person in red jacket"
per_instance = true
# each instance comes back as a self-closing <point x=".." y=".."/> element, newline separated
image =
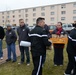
<point x="58" y="48"/>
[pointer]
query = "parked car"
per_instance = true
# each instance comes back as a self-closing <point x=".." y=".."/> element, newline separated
<point x="67" y="27"/>
<point x="52" y="27"/>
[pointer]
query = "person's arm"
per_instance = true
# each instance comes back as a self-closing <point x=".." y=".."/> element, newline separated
<point x="45" y="39"/>
<point x="72" y="37"/>
<point x="28" y="31"/>
<point x="54" y="32"/>
<point x="3" y="33"/>
<point x="18" y="31"/>
<point x="14" y="36"/>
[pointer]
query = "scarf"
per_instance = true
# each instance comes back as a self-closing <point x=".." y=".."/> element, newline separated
<point x="59" y="31"/>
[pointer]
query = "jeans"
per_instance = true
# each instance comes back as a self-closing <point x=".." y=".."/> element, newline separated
<point x="1" y="52"/>
<point x="24" y="50"/>
<point x="11" y="48"/>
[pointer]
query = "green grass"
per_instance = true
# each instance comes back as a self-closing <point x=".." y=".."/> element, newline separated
<point x="48" y="69"/>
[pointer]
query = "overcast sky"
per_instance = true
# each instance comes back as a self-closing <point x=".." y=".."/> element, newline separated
<point x="18" y="4"/>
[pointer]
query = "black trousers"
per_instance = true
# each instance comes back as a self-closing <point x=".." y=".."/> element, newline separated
<point x="71" y="64"/>
<point x="37" y="62"/>
<point x="24" y="50"/>
<point x="58" y="56"/>
<point x="74" y="71"/>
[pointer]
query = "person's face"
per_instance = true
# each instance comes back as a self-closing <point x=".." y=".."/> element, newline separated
<point x="9" y="28"/>
<point x="21" y="23"/>
<point x="59" y="25"/>
<point x="41" y="23"/>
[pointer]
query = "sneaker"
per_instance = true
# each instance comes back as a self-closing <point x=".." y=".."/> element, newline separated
<point x="20" y="63"/>
<point x="8" y="60"/>
<point x="28" y="64"/>
<point x="55" y="65"/>
<point x="1" y="58"/>
<point x="61" y="65"/>
<point x="66" y="74"/>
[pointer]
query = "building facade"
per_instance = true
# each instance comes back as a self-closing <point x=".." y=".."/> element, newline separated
<point x="65" y="12"/>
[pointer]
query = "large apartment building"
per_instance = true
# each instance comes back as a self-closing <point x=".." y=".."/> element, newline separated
<point x="65" y="12"/>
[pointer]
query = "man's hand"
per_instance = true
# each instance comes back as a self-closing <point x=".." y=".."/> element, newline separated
<point x="75" y="58"/>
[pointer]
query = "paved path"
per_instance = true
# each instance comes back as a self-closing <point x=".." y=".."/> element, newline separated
<point x="5" y="54"/>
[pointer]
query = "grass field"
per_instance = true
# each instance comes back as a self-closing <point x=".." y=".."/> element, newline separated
<point x="48" y="69"/>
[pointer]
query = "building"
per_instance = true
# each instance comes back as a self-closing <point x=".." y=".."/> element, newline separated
<point x="65" y="12"/>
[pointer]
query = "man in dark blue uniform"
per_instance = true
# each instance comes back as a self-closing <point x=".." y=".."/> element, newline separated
<point x="71" y="50"/>
<point x="39" y="41"/>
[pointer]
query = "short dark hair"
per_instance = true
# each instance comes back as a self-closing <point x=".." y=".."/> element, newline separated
<point x="20" y="20"/>
<point x="39" y="19"/>
<point x="60" y="23"/>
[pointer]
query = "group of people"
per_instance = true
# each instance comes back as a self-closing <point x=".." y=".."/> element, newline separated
<point x="39" y="41"/>
<point x="10" y="36"/>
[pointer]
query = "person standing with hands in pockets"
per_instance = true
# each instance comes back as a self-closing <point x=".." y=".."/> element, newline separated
<point x="23" y="36"/>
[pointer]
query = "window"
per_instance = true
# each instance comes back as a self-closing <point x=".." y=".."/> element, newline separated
<point x="62" y="18"/>
<point x="8" y="12"/>
<point x="34" y="9"/>
<point x="74" y="17"/>
<point x="26" y="15"/>
<point x="7" y="16"/>
<point x="52" y="18"/>
<point x="43" y="14"/>
<point x="52" y="13"/>
<point x="19" y="15"/>
<point x="42" y="8"/>
<point x="26" y="10"/>
<point x="34" y="14"/>
<point x="63" y="6"/>
<point x="74" y="5"/>
<point x="34" y="20"/>
<point x="13" y="16"/>
<point x="13" y="11"/>
<point x="3" y="21"/>
<point x="2" y="16"/>
<point x="63" y="12"/>
<point x="52" y="7"/>
<point x="26" y="20"/>
<point x="13" y="20"/>
<point x="2" y="13"/>
<point x="8" y="20"/>
<point x="74" y="11"/>
<point x="19" y="11"/>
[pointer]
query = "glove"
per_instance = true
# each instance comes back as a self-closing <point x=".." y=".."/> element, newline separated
<point x="75" y="58"/>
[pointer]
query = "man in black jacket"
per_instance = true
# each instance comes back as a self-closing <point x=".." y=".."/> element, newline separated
<point x="10" y="40"/>
<point x="39" y="41"/>
<point x="2" y="34"/>
<point x="23" y="36"/>
<point x="71" y="50"/>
